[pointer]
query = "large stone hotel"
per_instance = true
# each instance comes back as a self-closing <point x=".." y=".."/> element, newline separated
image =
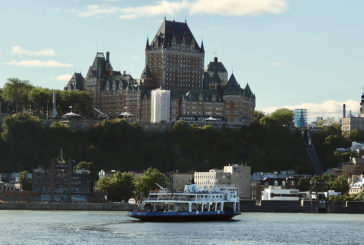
<point x="173" y="85"/>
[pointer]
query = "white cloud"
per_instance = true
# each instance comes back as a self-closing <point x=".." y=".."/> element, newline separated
<point x="193" y="7"/>
<point x="238" y="7"/>
<point x="37" y="63"/>
<point x="329" y="108"/>
<point x="20" y="51"/>
<point x="64" y="77"/>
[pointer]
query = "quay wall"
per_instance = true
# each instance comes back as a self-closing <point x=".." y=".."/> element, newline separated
<point x="68" y="206"/>
<point x="354" y="207"/>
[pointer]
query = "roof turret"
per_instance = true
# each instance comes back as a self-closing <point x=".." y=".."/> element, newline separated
<point x="171" y="31"/>
<point x="232" y="87"/>
<point x="216" y="65"/>
<point x="248" y="92"/>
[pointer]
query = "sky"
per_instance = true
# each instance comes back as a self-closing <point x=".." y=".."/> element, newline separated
<point x="292" y="53"/>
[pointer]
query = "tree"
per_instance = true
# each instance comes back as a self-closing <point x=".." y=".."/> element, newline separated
<point x="25" y="181"/>
<point x="15" y="92"/>
<point x="284" y="117"/>
<point x="317" y="183"/>
<point x="356" y="135"/>
<point x="339" y="184"/>
<point x="40" y="99"/>
<point x="146" y="183"/>
<point x="23" y="135"/>
<point x="118" y="188"/>
<point x="3" y="104"/>
<point x="125" y="184"/>
<point x="304" y="184"/>
<point x="90" y="166"/>
<point x="258" y="115"/>
<point x="106" y="185"/>
<point x="79" y="100"/>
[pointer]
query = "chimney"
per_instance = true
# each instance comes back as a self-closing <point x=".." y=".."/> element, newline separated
<point x="215" y="59"/>
<point x="108" y="56"/>
<point x="344" y="110"/>
<point x="124" y="73"/>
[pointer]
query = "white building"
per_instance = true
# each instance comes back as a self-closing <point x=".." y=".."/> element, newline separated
<point x="238" y="175"/>
<point x="276" y="193"/>
<point x="212" y="178"/>
<point x="357" y="185"/>
<point x="160" y="105"/>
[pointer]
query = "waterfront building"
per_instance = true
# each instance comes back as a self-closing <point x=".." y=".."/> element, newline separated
<point x="357" y="184"/>
<point x="174" y="62"/>
<point x="284" y="180"/>
<point x="178" y="180"/>
<point x="300" y="118"/>
<point x="355" y="166"/>
<point x="277" y="193"/>
<point x="61" y="183"/>
<point x="238" y="175"/>
<point x="6" y="187"/>
<point x="348" y="123"/>
<point x="160" y="102"/>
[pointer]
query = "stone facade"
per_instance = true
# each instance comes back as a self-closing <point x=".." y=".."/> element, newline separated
<point x="174" y="61"/>
<point x="177" y="181"/>
<point x="349" y="123"/>
<point x="174" y="58"/>
<point x="61" y="182"/>
<point x="238" y="175"/>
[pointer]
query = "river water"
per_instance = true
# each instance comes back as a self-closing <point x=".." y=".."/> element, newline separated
<point x="74" y="227"/>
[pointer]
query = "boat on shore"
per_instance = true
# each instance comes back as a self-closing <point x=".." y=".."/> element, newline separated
<point x="193" y="204"/>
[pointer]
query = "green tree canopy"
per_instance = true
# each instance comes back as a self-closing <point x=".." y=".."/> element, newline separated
<point x="118" y="188"/>
<point x="15" y="92"/>
<point x="146" y="183"/>
<point x="258" y="115"/>
<point x="356" y="135"/>
<point x="90" y="166"/>
<point x="40" y="100"/>
<point x="340" y="184"/>
<point x="304" y="184"/>
<point x="284" y="117"/>
<point x="25" y="181"/>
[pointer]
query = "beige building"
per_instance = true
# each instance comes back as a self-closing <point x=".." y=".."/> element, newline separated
<point x="350" y="123"/>
<point x="177" y="181"/>
<point x="238" y="175"/>
<point x="356" y="185"/>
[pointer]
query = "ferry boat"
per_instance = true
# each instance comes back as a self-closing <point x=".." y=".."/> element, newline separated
<point x="193" y="204"/>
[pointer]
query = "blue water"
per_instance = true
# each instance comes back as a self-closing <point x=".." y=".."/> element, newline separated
<point x="73" y="227"/>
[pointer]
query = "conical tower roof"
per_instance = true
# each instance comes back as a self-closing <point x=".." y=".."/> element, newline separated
<point x="248" y="91"/>
<point x="232" y="87"/>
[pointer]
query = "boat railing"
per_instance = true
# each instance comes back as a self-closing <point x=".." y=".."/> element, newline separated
<point x="175" y="198"/>
<point x="181" y="198"/>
